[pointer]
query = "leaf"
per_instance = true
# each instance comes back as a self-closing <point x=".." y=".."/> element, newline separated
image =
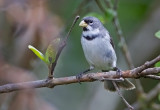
<point x="157" y="34"/>
<point x="37" y="52"/>
<point x="159" y="97"/>
<point x="51" y="51"/>
<point x="157" y="64"/>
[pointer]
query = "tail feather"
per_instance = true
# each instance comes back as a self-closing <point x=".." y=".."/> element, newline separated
<point x="109" y="86"/>
<point x="126" y="84"/>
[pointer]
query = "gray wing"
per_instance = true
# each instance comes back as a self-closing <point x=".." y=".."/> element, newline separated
<point x="106" y="33"/>
<point x="111" y="41"/>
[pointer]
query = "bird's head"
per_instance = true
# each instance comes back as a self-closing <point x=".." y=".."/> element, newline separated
<point x="90" y="23"/>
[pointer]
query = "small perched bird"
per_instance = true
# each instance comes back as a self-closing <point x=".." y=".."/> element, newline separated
<point x="99" y="51"/>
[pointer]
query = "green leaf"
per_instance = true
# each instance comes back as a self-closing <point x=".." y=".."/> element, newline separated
<point x="157" y="64"/>
<point x="37" y="52"/>
<point x="157" y="34"/>
<point x="159" y="97"/>
<point x="51" y="51"/>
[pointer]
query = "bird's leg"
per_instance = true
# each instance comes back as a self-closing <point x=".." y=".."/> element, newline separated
<point x="79" y="76"/>
<point x="119" y="93"/>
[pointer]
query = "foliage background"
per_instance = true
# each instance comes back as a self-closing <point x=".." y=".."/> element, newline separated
<point x="37" y="22"/>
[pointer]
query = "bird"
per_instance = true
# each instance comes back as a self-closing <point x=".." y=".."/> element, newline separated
<point x="99" y="52"/>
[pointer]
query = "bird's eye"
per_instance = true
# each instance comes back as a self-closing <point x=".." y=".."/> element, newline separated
<point x="91" y="21"/>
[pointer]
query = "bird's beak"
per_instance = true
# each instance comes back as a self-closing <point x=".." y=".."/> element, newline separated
<point x="83" y="24"/>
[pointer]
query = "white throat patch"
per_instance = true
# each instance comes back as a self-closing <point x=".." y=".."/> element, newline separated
<point x="91" y="32"/>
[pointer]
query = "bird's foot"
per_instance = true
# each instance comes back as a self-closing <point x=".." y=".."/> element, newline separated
<point x="79" y="76"/>
<point x="118" y="72"/>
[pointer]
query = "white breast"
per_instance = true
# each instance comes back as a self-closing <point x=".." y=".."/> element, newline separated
<point x="99" y="53"/>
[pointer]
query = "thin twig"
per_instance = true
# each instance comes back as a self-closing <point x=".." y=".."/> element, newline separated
<point x="124" y="100"/>
<point x="153" y="77"/>
<point x="122" y="41"/>
<point x="115" y="5"/>
<point x="108" y="4"/>
<point x="147" y="65"/>
<point x="124" y="46"/>
<point x="63" y="44"/>
<point x="74" y="22"/>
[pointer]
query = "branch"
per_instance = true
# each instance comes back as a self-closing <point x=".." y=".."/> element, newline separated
<point x="81" y="7"/>
<point x="115" y="5"/>
<point x="153" y="77"/>
<point x="63" y="44"/>
<point x="134" y="73"/>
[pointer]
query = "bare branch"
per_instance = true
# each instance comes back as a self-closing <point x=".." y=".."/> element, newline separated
<point x="138" y="72"/>
<point x="122" y="41"/>
<point x="63" y="44"/>
<point x="24" y="85"/>
<point x="150" y="71"/>
<point x="74" y="22"/>
<point x="153" y="77"/>
<point x="147" y="65"/>
<point x="108" y="4"/>
<point x="124" y="100"/>
<point x="115" y="5"/>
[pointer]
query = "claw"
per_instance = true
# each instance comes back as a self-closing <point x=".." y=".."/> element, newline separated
<point x="78" y="77"/>
<point x="119" y="73"/>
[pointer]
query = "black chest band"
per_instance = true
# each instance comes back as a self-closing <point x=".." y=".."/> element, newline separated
<point x="90" y="37"/>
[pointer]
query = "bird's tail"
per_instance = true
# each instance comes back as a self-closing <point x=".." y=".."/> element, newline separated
<point x="126" y="85"/>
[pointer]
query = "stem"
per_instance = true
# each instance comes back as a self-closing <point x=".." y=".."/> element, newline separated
<point x="124" y="100"/>
<point x="63" y="44"/>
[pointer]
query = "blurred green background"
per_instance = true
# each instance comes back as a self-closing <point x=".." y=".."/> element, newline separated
<point x="37" y="22"/>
